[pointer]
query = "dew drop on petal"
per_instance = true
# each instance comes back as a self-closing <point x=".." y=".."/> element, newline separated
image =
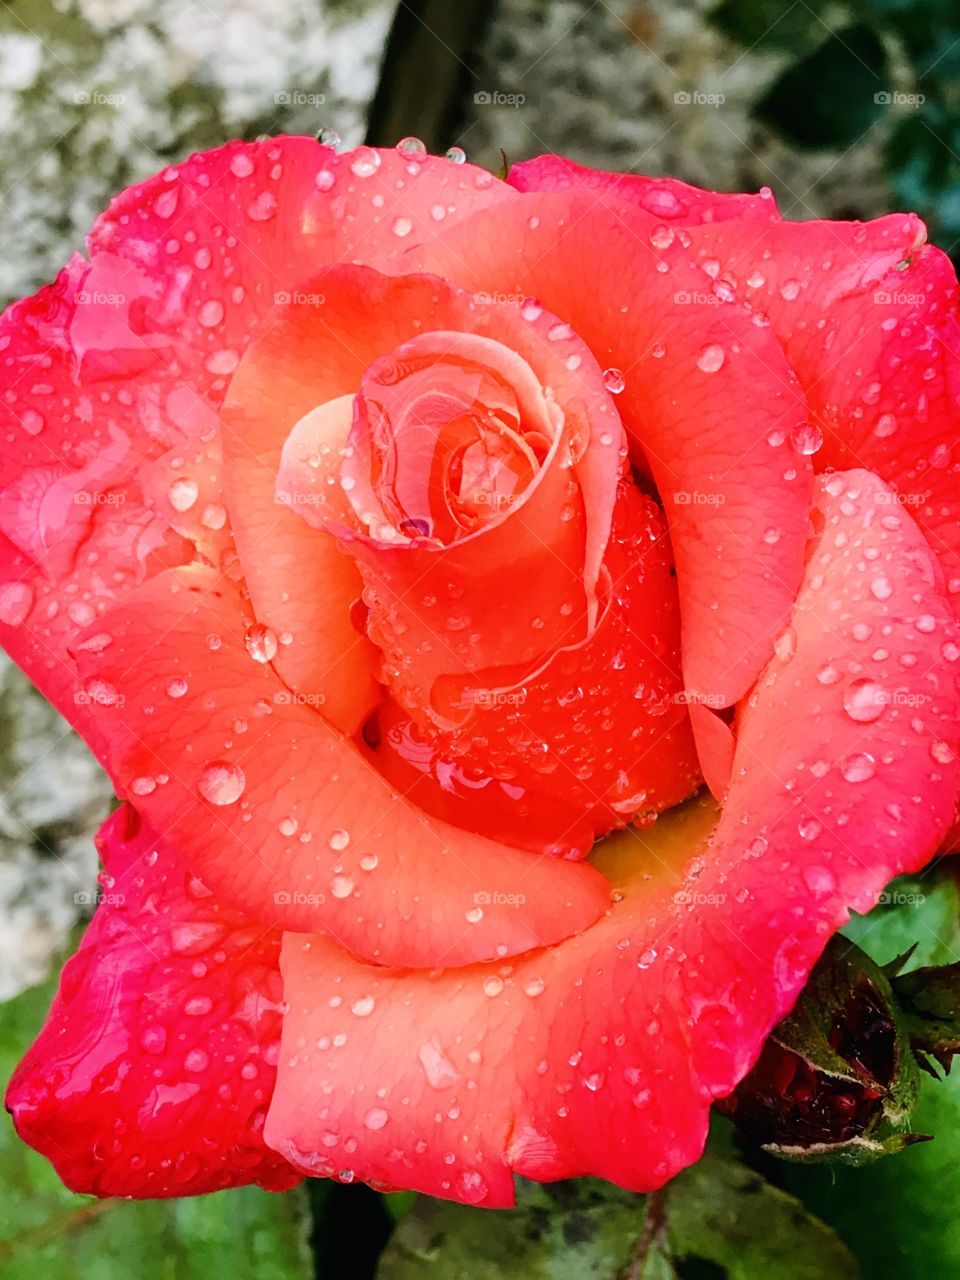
<point x="806" y="439"/>
<point x="261" y="643"/>
<point x="711" y="358"/>
<point x="183" y="494"/>
<point x="222" y="783"/>
<point x="859" y="767"/>
<point x="865" y="700"/>
<point x="614" y="381"/>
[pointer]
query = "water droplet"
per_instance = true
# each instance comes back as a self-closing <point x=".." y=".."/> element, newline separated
<point x="806" y="439"/>
<point x="365" y="162"/>
<point x="711" y="358"/>
<point x="16" y="601"/>
<point x="492" y="986"/>
<point x="865" y="700"/>
<point x="222" y="783"/>
<point x="211" y="313"/>
<point x="535" y="987"/>
<point x="885" y="425"/>
<point x="261" y="643"/>
<point x="614" y="381"/>
<point x="330" y="138"/>
<point x="338" y="839"/>
<point x="402" y="227"/>
<point x="262" y="207"/>
<point x="471" y="1188"/>
<point x="363" y="1006"/>
<point x="376" y="1118"/>
<point x="241" y="166"/>
<point x="859" y="767"/>
<point x="456" y="155"/>
<point x="411" y="146"/>
<point x="183" y="494"/>
<point x="143" y="786"/>
<point x="341" y="886"/>
<point x="809" y="828"/>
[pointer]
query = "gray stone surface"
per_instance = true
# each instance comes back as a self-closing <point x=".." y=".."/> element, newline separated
<point x="96" y="94"/>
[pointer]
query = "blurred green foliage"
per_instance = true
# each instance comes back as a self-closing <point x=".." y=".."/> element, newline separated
<point x="856" y="65"/>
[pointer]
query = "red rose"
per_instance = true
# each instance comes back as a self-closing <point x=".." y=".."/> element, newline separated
<point x="335" y="508"/>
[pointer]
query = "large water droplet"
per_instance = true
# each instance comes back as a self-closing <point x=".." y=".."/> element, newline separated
<point x="865" y="700"/>
<point x="183" y="494"/>
<point x="614" y="381"/>
<point x="261" y="643"/>
<point x="807" y="438"/>
<point x="222" y="783"/>
<point x="711" y="358"/>
<point x="859" y="767"/>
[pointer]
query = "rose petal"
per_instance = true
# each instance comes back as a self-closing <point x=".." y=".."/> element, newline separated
<point x="665" y="198"/>
<point x="601" y="1055"/>
<point x="867" y="316"/>
<point x="708" y="397"/>
<point x="282" y="816"/>
<point x="117" y="371"/>
<point x="153" y="1071"/>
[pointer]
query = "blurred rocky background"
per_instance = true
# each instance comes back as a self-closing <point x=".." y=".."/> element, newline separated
<point x="843" y="108"/>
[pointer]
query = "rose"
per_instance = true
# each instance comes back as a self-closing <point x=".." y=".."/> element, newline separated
<point x="378" y="616"/>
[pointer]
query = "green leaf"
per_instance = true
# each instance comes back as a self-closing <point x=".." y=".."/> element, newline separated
<point x="48" y="1231"/>
<point x="762" y="25"/>
<point x="717" y="1218"/>
<point x="828" y="99"/>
